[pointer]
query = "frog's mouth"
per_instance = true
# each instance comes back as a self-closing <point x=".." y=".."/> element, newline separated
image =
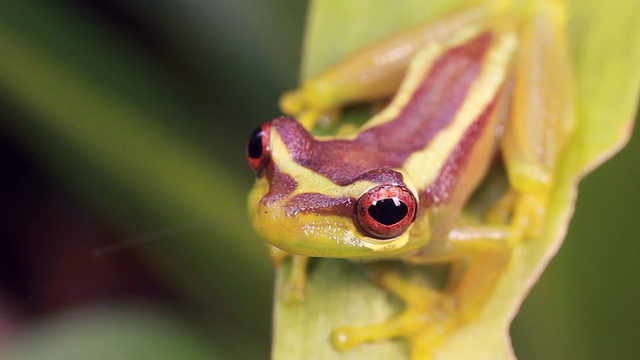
<point x="330" y="238"/>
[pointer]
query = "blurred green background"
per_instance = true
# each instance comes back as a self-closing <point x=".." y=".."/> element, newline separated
<point x="125" y="122"/>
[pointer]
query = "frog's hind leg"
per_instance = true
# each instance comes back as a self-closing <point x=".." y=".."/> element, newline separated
<point x="479" y="255"/>
<point x="418" y="301"/>
<point x="542" y="116"/>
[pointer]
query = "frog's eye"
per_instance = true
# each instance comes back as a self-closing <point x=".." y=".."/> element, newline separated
<point x="386" y="211"/>
<point x="258" y="152"/>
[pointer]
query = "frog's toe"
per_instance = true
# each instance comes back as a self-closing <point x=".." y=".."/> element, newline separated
<point x="529" y="213"/>
<point x="425" y="327"/>
<point x="524" y="211"/>
<point x="345" y="338"/>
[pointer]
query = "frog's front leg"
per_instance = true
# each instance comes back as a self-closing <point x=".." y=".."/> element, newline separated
<point x="375" y="72"/>
<point x="478" y="255"/>
<point x="297" y="281"/>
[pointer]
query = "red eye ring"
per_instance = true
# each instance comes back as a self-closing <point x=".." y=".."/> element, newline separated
<point x="258" y="150"/>
<point x="386" y="211"/>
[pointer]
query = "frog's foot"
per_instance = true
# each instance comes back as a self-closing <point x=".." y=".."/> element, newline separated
<point x="479" y="257"/>
<point x="296" y="103"/>
<point x="429" y="317"/>
<point x="500" y="212"/>
<point x="528" y="214"/>
<point x="523" y="211"/>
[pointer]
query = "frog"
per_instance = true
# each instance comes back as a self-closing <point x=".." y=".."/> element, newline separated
<point x="478" y="87"/>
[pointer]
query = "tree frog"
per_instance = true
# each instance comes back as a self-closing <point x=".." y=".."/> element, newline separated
<point x="485" y="86"/>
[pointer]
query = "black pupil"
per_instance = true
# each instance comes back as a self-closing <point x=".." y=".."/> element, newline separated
<point x="388" y="211"/>
<point x="254" y="149"/>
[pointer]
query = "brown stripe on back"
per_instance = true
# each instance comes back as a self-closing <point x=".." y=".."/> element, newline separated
<point x="432" y="108"/>
<point x="445" y="184"/>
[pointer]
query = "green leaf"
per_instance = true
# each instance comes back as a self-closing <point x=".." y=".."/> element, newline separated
<point x="605" y="55"/>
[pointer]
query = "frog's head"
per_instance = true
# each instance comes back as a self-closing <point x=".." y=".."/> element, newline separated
<point x="330" y="198"/>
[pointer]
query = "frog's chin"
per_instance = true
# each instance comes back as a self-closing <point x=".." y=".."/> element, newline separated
<point x="333" y="239"/>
